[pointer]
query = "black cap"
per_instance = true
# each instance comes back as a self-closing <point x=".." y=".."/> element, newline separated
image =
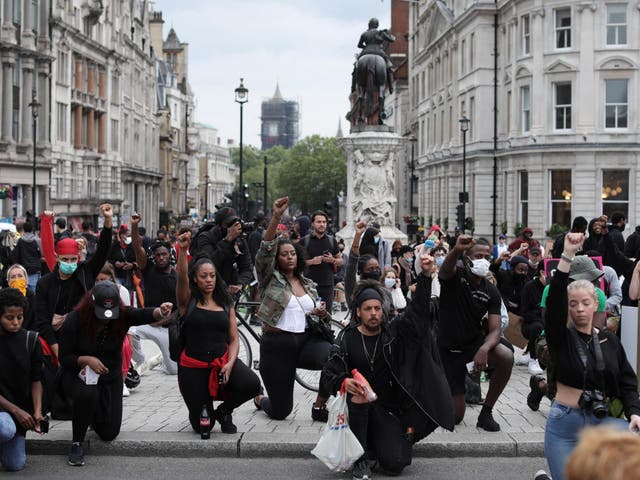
<point x="222" y="214"/>
<point x="106" y="300"/>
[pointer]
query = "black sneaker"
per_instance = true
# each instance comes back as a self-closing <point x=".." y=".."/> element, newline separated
<point x="536" y="394"/>
<point x="226" y="422"/>
<point x="486" y="422"/>
<point x="76" y="455"/>
<point x="319" y="414"/>
<point x="361" y="470"/>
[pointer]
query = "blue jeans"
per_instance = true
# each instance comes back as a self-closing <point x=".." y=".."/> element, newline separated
<point x="12" y="452"/>
<point x="561" y="434"/>
<point x="33" y="280"/>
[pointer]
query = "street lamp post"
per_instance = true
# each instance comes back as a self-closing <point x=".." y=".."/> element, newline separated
<point x="265" y="206"/>
<point x="35" y="105"/>
<point x="413" y="141"/>
<point x="242" y="97"/>
<point x="206" y="196"/>
<point x="464" y="127"/>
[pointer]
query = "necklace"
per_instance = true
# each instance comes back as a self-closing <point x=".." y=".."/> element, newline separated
<point x="370" y="358"/>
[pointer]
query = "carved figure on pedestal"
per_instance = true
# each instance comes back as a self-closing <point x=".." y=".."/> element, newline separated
<point x="374" y="187"/>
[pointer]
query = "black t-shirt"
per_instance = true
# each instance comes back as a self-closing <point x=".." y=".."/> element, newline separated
<point x="463" y="304"/>
<point x="322" y="274"/>
<point x="159" y="287"/>
<point x="206" y="334"/>
<point x="380" y="379"/>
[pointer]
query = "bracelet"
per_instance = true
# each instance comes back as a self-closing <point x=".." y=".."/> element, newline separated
<point x="566" y="259"/>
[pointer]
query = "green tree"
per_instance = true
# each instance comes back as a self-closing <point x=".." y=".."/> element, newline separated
<point x="312" y="173"/>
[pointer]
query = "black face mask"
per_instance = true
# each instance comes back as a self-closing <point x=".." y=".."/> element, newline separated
<point x="371" y="275"/>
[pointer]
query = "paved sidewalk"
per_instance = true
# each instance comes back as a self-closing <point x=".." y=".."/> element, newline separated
<point x="155" y="424"/>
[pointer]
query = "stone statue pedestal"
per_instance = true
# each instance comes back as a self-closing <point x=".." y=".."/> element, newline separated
<point x="372" y="152"/>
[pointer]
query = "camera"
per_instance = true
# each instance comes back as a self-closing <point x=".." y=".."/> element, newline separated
<point x="248" y="227"/>
<point x="594" y="400"/>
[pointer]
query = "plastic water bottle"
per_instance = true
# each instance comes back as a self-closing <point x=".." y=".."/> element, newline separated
<point x="483" y="377"/>
<point x="205" y="423"/>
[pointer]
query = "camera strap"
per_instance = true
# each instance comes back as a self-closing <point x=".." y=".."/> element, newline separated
<point x="582" y="353"/>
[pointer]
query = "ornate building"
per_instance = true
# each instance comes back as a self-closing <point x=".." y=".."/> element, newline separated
<point x="103" y="123"/>
<point x="25" y="53"/>
<point x="280" y="119"/>
<point x="550" y="89"/>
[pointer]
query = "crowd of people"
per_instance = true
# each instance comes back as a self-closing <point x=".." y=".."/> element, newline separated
<point x="426" y="320"/>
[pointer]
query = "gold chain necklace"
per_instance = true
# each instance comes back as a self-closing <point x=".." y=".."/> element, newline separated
<point x="370" y="359"/>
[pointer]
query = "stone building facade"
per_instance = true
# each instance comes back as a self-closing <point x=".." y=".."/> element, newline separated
<point x="562" y="138"/>
<point x="26" y="58"/>
<point x="103" y="123"/>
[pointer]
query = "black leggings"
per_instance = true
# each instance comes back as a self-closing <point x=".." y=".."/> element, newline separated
<point x="280" y="354"/>
<point x="381" y="434"/>
<point x="243" y="384"/>
<point x="531" y="331"/>
<point x="97" y="405"/>
<point x="326" y="293"/>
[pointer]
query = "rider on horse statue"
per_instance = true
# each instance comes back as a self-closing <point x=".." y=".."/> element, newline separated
<point x="372" y="42"/>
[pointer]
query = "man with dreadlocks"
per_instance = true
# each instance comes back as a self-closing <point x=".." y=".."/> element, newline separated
<point x="400" y="361"/>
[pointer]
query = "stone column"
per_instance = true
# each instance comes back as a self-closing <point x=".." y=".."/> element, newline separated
<point x="77" y="128"/>
<point x="27" y="92"/>
<point x="103" y="85"/>
<point x="7" y="100"/>
<point x="79" y="83"/>
<point x="90" y="130"/>
<point x="7" y="22"/>
<point x="91" y="84"/>
<point x="372" y="153"/>
<point x="44" y="95"/>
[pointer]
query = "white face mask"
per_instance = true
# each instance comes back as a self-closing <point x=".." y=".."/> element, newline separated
<point x="389" y="282"/>
<point x="127" y="240"/>
<point x="480" y="267"/>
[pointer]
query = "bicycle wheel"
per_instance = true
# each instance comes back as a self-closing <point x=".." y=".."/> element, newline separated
<point x="310" y="379"/>
<point x="245" y="353"/>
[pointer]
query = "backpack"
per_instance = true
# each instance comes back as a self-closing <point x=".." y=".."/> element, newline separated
<point x="29" y="256"/>
<point x="305" y="241"/>
<point x="200" y="239"/>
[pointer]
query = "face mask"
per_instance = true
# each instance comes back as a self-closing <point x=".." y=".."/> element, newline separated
<point x="439" y="261"/>
<point x="389" y="282"/>
<point x="410" y="259"/>
<point x="371" y="274"/>
<point x="127" y="240"/>
<point x="68" y="268"/>
<point x="376" y="240"/>
<point x="19" y="284"/>
<point x="480" y="267"/>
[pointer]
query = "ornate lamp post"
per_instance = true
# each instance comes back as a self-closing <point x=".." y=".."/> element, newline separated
<point x="242" y="97"/>
<point x="464" y="198"/>
<point x="35" y="105"/>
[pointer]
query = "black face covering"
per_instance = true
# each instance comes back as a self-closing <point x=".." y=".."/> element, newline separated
<point x="371" y="275"/>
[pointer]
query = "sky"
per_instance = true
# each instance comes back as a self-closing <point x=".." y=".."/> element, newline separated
<point x="307" y="46"/>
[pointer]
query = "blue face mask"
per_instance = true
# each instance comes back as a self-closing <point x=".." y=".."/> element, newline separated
<point x="376" y="240"/>
<point x="68" y="268"/>
<point x="439" y="261"/>
<point x="410" y="259"/>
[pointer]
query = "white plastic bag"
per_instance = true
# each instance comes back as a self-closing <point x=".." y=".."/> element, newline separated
<point x="338" y="448"/>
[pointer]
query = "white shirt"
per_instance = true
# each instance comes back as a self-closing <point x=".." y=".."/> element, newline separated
<point x="293" y="318"/>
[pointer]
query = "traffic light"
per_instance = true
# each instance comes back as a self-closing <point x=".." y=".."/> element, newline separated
<point x="460" y="216"/>
<point x="328" y="208"/>
<point x="245" y="190"/>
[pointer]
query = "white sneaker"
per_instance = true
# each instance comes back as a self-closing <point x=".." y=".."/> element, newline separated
<point x="125" y="391"/>
<point x="523" y="360"/>
<point x="534" y="367"/>
<point x="542" y="475"/>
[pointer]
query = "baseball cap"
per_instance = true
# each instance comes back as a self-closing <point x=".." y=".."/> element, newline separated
<point x="106" y="300"/>
<point x="535" y="250"/>
<point x="583" y="268"/>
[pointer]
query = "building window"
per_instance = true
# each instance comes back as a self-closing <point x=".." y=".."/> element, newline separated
<point x="114" y="135"/>
<point x="472" y="50"/>
<point x="472" y="108"/>
<point x="34" y="16"/>
<point x="617" y="24"/>
<point x="17" y="13"/>
<point x="463" y="52"/>
<point x="615" y="192"/>
<point x="616" y="103"/>
<point x="526" y="34"/>
<point x="60" y="179"/>
<point x="563" y="27"/>
<point x="61" y="127"/>
<point x="562" y="105"/>
<point x="523" y="211"/>
<point x="115" y="89"/>
<point x="525" y="96"/>
<point x="63" y="67"/>
<point x="508" y="114"/>
<point x="561" y="197"/>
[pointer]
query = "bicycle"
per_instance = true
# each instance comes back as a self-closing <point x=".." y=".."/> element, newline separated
<point x="308" y="379"/>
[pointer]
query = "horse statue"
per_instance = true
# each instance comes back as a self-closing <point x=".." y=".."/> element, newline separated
<point x="372" y="74"/>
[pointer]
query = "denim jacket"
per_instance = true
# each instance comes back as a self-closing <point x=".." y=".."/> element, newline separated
<point x="276" y="291"/>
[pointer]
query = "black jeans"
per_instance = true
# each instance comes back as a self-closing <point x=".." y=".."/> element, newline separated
<point x="280" y="354"/>
<point x="97" y="405"/>
<point x="243" y="384"/>
<point x="381" y="434"/>
<point x="531" y="331"/>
